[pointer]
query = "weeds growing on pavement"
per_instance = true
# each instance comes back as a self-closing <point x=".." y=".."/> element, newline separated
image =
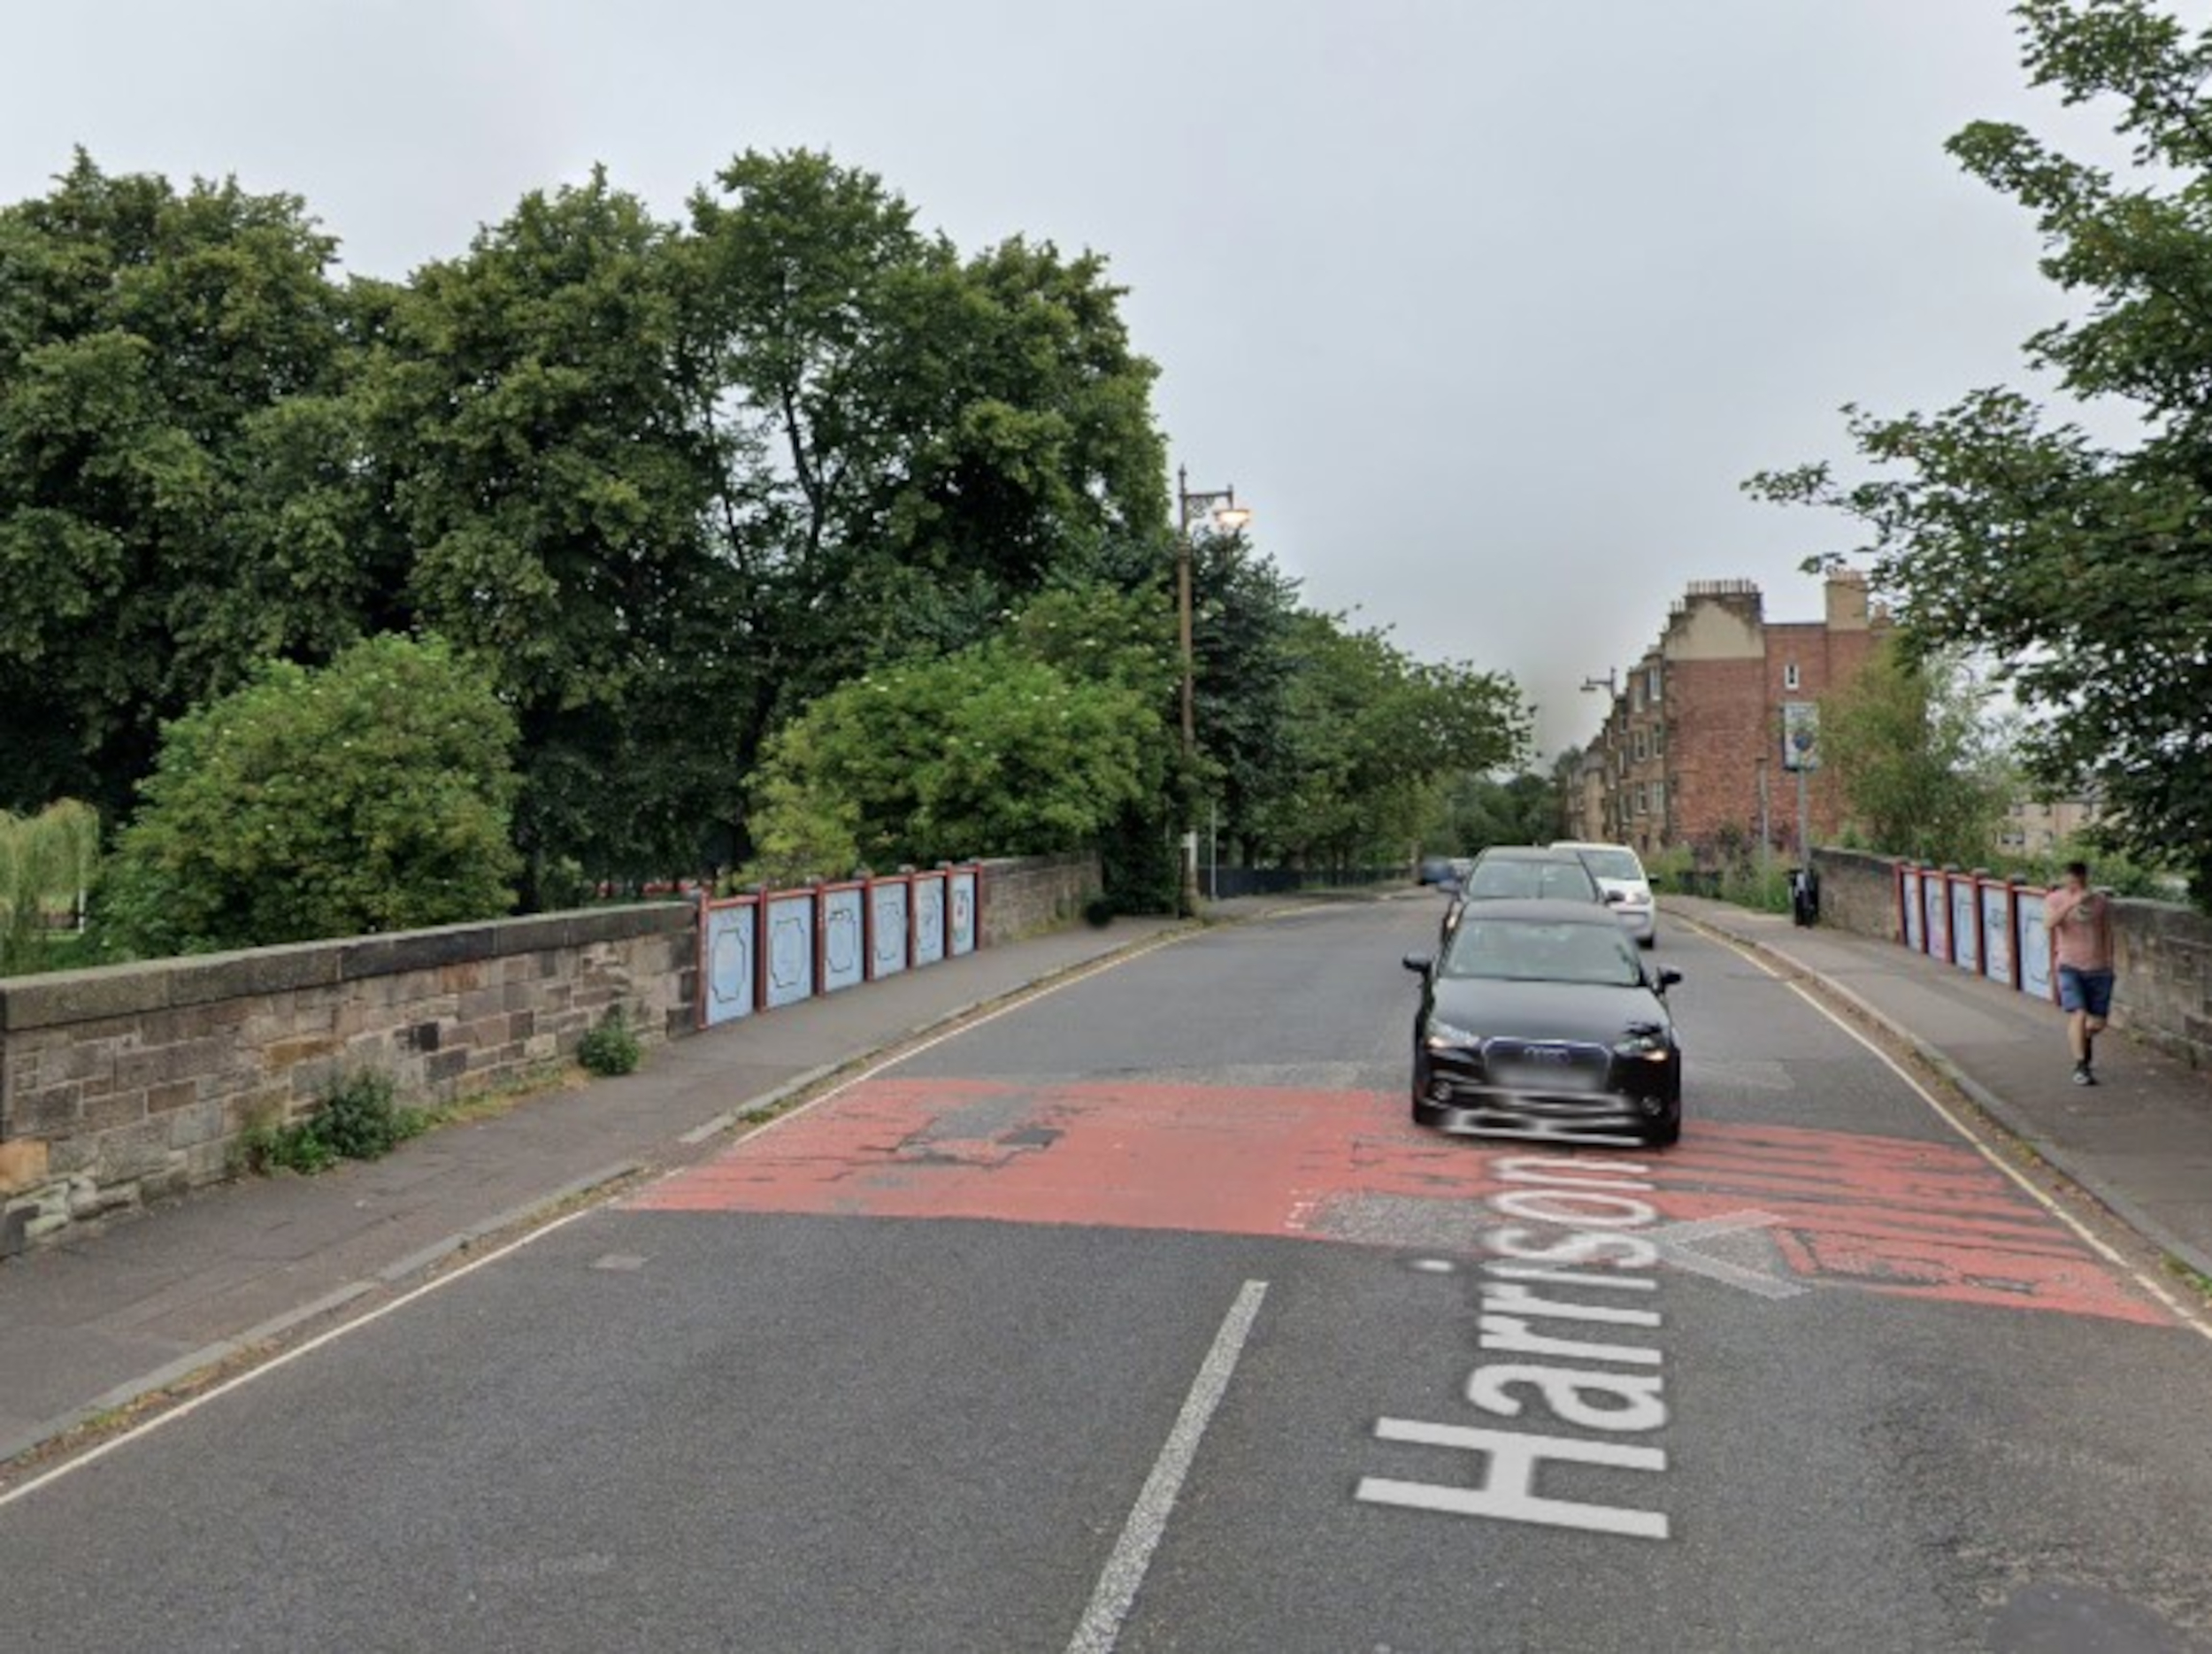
<point x="2195" y="1280"/>
<point x="357" y="1119"/>
<point x="611" y="1047"/>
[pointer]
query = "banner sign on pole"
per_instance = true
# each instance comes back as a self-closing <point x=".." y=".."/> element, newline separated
<point x="1801" y="734"/>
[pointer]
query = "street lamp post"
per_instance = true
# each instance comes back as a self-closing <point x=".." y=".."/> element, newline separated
<point x="1220" y="506"/>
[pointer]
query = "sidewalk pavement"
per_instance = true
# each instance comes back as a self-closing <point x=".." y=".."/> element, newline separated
<point x="101" y="1320"/>
<point x="2139" y="1141"/>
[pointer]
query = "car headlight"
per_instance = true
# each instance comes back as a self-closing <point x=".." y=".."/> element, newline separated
<point x="1650" y="1048"/>
<point x="1446" y="1036"/>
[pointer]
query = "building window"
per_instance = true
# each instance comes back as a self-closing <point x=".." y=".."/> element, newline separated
<point x="1789" y="676"/>
<point x="1651" y="681"/>
<point x="1643" y="799"/>
<point x="1659" y="797"/>
<point x="1636" y="694"/>
<point x="1642" y="750"/>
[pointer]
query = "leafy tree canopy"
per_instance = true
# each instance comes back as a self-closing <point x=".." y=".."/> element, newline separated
<point x="989" y="751"/>
<point x="1923" y="770"/>
<point x="2083" y="568"/>
<point x="370" y="795"/>
<point x="1373" y="733"/>
<point x="163" y="358"/>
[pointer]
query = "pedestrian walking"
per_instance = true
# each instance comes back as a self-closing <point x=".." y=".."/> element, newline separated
<point x="2078" y="922"/>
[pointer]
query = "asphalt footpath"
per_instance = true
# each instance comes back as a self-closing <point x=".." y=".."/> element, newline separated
<point x="156" y="1303"/>
<point x="2139" y="1141"/>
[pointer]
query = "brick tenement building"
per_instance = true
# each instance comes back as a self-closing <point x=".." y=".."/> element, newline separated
<point x="1694" y="732"/>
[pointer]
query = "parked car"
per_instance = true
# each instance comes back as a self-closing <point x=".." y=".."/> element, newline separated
<point x="1620" y="875"/>
<point x="1524" y="871"/>
<point x="1539" y="1019"/>
<point x="1435" y="870"/>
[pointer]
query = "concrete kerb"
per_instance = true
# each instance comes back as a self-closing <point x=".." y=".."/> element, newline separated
<point x="185" y="1368"/>
<point x="210" y="1357"/>
<point x="2008" y="1115"/>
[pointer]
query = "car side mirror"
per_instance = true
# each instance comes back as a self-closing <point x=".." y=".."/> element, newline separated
<point x="1668" y="977"/>
<point x="1614" y="898"/>
<point x="1418" y="963"/>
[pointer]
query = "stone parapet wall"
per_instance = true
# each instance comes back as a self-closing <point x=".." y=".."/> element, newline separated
<point x="1858" y="892"/>
<point x="134" y="1082"/>
<point x="1035" y="893"/>
<point x="2165" y="951"/>
<point x="2165" y="977"/>
<point x="131" y="1083"/>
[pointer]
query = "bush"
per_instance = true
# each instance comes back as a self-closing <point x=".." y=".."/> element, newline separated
<point x="357" y="1119"/>
<point x="1747" y="886"/>
<point x="1098" y="912"/>
<point x="372" y="795"/>
<point x="611" y="1047"/>
<point x="1666" y="868"/>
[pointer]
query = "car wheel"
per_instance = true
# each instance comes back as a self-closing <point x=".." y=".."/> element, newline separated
<point x="1647" y="942"/>
<point x="1667" y="1131"/>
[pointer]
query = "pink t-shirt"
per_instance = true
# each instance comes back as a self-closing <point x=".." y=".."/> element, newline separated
<point x="2080" y="927"/>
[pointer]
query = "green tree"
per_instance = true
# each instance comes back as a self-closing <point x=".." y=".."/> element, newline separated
<point x="162" y="357"/>
<point x="911" y="446"/>
<point x="1246" y="649"/>
<point x="2083" y="568"/>
<point x="372" y="795"/>
<point x="1922" y="769"/>
<point x="989" y="751"/>
<point x="1483" y="810"/>
<point x="537" y="403"/>
<point x="47" y="865"/>
<point x="1373" y="733"/>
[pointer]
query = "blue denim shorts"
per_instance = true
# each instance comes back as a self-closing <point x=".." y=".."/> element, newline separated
<point x="2084" y="990"/>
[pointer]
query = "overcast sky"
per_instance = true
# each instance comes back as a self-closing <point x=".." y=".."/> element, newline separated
<point x="1486" y="306"/>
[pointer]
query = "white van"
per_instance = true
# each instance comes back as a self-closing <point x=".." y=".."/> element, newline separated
<point x="1620" y="875"/>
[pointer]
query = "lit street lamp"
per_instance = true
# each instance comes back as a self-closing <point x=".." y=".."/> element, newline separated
<point x="1219" y="506"/>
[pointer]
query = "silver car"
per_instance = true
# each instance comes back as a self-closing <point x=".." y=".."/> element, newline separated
<point x="1620" y="875"/>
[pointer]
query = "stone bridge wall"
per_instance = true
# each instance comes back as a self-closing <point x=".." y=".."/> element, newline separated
<point x="131" y="1083"/>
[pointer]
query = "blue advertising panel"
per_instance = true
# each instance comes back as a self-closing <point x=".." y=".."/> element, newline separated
<point x="1966" y="926"/>
<point x="1996" y="933"/>
<point x="929" y="917"/>
<point x="886" y="919"/>
<point x="964" y="912"/>
<point x="2035" y="947"/>
<point x="1916" y="917"/>
<point x="843" y="965"/>
<point x="790" y="946"/>
<point x="729" y="962"/>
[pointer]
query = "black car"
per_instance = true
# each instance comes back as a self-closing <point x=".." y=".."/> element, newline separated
<point x="1524" y="871"/>
<point x="1540" y="1019"/>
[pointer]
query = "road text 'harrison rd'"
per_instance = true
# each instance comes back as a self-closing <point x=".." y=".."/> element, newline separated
<point x="1559" y="1331"/>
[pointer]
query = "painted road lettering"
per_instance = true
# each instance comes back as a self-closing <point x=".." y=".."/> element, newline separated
<point x="1507" y="1491"/>
<point x="1594" y="1202"/>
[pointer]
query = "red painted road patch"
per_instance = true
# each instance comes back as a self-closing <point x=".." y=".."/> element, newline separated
<point x="1888" y="1215"/>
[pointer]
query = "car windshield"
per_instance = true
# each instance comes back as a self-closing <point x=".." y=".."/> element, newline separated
<point x="1536" y="951"/>
<point x="1497" y="879"/>
<point x="1612" y="863"/>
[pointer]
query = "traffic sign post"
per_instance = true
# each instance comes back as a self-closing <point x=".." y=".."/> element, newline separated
<point x="1800" y="754"/>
